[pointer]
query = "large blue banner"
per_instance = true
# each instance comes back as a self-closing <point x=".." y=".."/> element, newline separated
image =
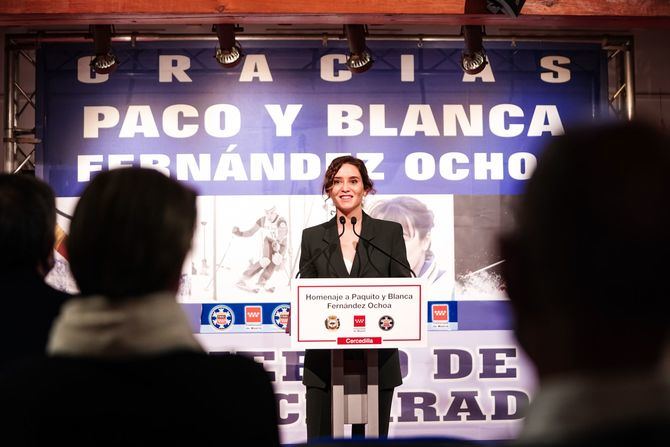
<point x="268" y="126"/>
<point x="448" y="153"/>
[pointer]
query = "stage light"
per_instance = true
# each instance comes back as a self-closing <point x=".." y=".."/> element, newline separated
<point x="473" y="58"/>
<point x="509" y="7"/>
<point x="229" y="53"/>
<point x="359" y="59"/>
<point x="104" y="61"/>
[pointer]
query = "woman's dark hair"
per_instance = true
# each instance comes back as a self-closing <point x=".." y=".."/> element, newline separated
<point x="130" y="233"/>
<point x="335" y="166"/>
<point x="27" y="223"/>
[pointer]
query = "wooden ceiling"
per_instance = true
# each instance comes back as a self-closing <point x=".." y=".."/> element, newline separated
<point x="627" y="14"/>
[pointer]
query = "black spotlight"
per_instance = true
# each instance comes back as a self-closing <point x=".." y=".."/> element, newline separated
<point x="359" y="59"/>
<point x="509" y="7"/>
<point x="104" y="61"/>
<point x="229" y="53"/>
<point x="473" y="58"/>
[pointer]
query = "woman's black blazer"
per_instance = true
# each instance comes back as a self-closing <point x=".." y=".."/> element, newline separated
<point x="322" y="241"/>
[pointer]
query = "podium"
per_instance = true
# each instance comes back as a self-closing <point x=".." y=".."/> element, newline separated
<point x="363" y="314"/>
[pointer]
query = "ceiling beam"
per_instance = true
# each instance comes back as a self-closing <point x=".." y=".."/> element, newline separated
<point x="535" y="13"/>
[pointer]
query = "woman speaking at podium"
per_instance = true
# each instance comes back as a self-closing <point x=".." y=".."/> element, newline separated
<point x="334" y="250"/>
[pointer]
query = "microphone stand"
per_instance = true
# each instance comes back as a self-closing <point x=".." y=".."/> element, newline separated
<point x="342" y="221"/>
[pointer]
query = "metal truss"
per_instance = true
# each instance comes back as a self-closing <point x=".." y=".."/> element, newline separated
<point x="20" y="90"/>
<point x="20" y="140"/>
<point x="621" y="79"/>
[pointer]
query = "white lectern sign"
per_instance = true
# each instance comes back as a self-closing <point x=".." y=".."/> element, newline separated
<point x="355" y="313"/>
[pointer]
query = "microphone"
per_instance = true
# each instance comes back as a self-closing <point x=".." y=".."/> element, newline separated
<point x="320" y="251"/>
<point x="353" y="225"/>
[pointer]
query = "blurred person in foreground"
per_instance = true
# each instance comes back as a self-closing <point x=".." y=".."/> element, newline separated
<point x="585" y="272"/>
<point x="123" y="366"/>
<point x="27" y="236"/>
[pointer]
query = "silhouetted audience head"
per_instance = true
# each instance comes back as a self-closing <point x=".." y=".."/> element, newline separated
<point x="124" y="355"/>
<point x="587" y="264"/>
<point x="27" y="224"/>
<point x="130" y="233"/>
<point x="27" y="236"/>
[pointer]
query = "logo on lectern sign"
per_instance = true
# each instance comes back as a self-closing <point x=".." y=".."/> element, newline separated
<point x="221" y="317"/>
<point x="332" y="323"/>
<point x="386" y="323"/>
<point x="359" y="323"/>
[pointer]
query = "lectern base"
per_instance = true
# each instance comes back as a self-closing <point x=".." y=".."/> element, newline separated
<point x="355" y="388"/>
<point x="319" y="410"/>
